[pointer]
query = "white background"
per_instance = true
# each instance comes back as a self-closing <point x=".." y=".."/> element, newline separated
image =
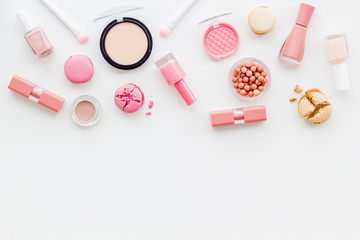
<point x="171" y="175"/>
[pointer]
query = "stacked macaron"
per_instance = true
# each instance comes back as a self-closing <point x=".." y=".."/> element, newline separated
<point x="129" y="98"/>
<point x="262" y="20"/>
<point x="79" y="69"/>
<point x="315" y="106"/>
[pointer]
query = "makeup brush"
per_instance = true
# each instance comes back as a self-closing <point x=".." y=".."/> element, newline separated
<point x="80" y="34"/>
<point x="166" y="30"/>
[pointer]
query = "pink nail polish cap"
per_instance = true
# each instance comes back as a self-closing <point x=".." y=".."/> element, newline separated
<point x="35" y="93"/>
<point x="174" y="75"/>
<point x="238" y="116"/>
<point x="304" y="14"/>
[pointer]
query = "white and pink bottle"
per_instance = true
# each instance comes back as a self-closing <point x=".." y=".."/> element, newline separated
<point x="338" y="53"/>
<point x="174" y="75"/>
<point x="292" y="50"/>
<point x="35" y="35"/>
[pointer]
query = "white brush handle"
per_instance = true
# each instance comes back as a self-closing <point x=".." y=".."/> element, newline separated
<point x="180" y="14"/>
<point x="75" y="29"/>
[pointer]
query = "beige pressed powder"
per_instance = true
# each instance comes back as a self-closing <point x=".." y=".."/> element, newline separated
<point x="126" y="43"/>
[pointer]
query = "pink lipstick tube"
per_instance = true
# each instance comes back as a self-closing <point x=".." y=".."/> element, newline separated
<point x="238" y="116"/>
<point x="36" y="93"/>
<point x="174" y="75"/>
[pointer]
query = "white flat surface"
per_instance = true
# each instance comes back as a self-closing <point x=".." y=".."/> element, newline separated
<point x="171" y="175"/>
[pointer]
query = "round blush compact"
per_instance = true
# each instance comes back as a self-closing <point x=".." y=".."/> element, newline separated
<point x="220" y="39"/>
<point x="85" y="111"/>
<point x="125" y="43"/>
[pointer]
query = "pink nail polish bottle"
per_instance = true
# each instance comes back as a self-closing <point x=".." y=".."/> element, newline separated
<point x="35" y="35"/>
<point x="293" y="49"/>
<point x="174" y="75"/>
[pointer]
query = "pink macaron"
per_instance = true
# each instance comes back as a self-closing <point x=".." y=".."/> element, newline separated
<point x="129" y="98"/>
<point x="79" y="69"/>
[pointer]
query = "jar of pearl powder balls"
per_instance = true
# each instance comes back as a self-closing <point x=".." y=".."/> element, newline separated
<point x="249" y="79"/>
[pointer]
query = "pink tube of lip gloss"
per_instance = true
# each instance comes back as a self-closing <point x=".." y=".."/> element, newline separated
<point x="174" y="75"/>
<point x="238" y="116"/>
<point x="36" y="93"/>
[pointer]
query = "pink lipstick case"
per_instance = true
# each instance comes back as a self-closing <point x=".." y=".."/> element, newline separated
<point x="36" y="93"/>
<point x="238" y="116"/>
<point x="220" y="39"/>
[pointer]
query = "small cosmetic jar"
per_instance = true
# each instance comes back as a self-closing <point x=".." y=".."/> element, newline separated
<point x="85" y="111"/>
<point x="125" y="43"/>
<point x="249" y="79"/>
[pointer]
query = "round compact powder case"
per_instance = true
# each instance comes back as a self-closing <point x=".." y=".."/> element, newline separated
<point x="79" y="69"/>
<point x="125" y="43"/>
<point x="85" y="111"/>
<point x="220" y="39"/>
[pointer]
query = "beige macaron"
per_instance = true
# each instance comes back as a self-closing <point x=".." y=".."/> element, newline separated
<point x="315" y="106"/>
<point x="262" y="20"/>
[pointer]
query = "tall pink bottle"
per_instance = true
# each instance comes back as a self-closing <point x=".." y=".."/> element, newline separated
<point x="292" y="50"/>
<point x="35" y="36"/>
<point x="174" y="75"/>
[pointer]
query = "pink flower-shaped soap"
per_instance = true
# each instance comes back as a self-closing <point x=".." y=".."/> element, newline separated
<point x="129" y="98"/>
<point x="79" y="69"/>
